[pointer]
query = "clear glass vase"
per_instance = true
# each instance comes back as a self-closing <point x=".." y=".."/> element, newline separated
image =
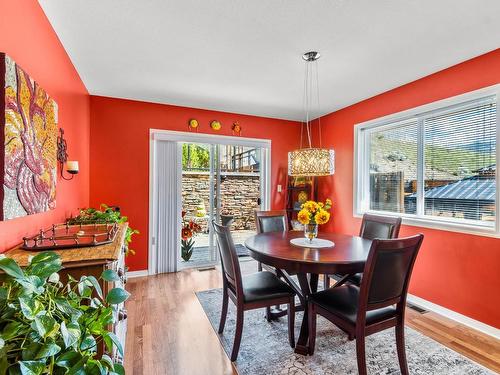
<point x="311" y="231"/>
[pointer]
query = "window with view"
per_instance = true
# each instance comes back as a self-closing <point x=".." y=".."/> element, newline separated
<point x="434" y="164"/>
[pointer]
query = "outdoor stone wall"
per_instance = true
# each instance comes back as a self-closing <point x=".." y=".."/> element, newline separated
<point x="239" y="195"/>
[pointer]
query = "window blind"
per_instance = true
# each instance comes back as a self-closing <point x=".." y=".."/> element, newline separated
<point x="393" y="167"/>
<point x="460" y="163"/>
<point x="437" y="165"/>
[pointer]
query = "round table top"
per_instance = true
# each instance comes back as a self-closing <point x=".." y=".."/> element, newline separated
<point x="347" y="256"/>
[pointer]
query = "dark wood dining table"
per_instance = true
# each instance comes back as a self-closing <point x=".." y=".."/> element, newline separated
<point x="347" y="256"/>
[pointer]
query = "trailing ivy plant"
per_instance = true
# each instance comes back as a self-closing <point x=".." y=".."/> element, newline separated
<point x="47" y="327"/>
<point x="105" y="214"/>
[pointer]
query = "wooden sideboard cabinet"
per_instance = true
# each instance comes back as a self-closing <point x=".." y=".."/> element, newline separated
<point x="92" y="261"/>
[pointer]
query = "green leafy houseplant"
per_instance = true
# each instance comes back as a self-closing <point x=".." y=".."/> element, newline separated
<point x="105" y="214"/>
<point x="47" y="327"/>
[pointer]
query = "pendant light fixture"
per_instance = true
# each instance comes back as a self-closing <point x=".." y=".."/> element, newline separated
<point x="311" y="161"/>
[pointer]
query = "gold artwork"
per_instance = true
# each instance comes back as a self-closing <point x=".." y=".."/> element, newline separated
<point x="28" y="126"/>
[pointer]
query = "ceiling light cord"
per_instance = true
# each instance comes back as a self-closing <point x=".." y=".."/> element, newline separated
<point x="319" y="108"/>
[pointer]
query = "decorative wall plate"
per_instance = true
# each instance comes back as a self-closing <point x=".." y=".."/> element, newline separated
<point x="236" y="128"/>
<point x="216" y="125"/>
<point x="193" y="124"/>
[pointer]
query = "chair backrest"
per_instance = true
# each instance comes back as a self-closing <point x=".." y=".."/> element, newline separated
<point x="229" y="257"/>
<point x="376" y="226"/>
<point x="271" y="221"/>
<point x="387" y="272"/>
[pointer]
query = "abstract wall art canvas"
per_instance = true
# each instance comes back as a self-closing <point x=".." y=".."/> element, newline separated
<point x="28" y="144"/>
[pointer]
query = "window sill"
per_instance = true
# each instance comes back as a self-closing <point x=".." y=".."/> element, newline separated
<point x="437" y="224"/>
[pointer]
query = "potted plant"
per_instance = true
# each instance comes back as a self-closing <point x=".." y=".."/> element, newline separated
<point x="47" y="327"/>
<point x="105" y="214"/>
<point x="188" y="231"/>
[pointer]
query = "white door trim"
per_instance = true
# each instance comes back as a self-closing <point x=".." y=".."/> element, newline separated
<point x="158" y="135"/>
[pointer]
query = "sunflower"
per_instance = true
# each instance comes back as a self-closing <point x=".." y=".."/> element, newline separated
<point x="328" y="202"/>
<point x="303" y="216"/>
<point x="310" y="206"/>
<point x="322" y="217"/>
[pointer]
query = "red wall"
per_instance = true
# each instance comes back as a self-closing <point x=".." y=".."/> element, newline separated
<point x="457" y="271"/>
<point x="119" y="149"/>
<point x="27" y="36"/>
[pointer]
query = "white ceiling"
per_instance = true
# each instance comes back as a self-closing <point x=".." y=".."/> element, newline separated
<point x="244" y="56"/>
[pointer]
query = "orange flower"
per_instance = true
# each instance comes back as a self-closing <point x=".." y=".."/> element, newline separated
<point x="322" y="217"/>
<point x="303" y="216"/>
<point x="186" y="234"/>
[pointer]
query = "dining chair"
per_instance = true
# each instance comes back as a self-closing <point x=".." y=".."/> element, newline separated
<point x="369" y="309"/>
<point x="270" y="221"/>
<point x="372" y="226"/>
<point x="265" y="222"/>
<point x="258" y="290"/>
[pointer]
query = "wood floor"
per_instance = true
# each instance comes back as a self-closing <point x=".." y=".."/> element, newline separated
<point x="169" y="334"/>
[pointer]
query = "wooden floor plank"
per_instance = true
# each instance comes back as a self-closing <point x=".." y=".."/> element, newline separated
<point x="168" y="332"/>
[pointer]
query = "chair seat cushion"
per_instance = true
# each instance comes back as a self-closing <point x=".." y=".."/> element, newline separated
<point x="264" y="285"/>
<point x="343" y="302"/>
<point x="354" y="279"/>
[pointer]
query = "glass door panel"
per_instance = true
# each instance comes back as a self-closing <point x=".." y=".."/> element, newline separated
<point x="225" y="183"/>
<point x="197" y="201"/>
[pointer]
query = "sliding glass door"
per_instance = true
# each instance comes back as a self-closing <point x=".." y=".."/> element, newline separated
<point x="222" y="182"/>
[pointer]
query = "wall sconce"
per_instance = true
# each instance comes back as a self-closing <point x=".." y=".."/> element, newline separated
<point x="62" y="157"/>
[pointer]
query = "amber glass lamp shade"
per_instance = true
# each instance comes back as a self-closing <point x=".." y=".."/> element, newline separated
<point x="311" y="162"/>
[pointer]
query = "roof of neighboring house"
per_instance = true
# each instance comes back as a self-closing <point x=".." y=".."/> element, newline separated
<point x="472" y="188"/>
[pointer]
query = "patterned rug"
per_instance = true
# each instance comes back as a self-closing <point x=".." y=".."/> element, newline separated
<point x="264" y="348"/>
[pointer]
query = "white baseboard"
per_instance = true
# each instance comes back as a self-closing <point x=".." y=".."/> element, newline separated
<point x="141" y="273"/>
<point x="465" y="320"/>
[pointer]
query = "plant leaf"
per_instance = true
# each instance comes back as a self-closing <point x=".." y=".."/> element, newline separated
<point x="30" y="307"/>
<point x="11" y="330"/>
<point x="46" y="325"/>
<point x="40" y="351"/>
<point x="119" y="369"/>
<point x="107" y="361"/>
<point x="96" y="285"/>
<point x="31" y="367"/>
<point x="10" y="267"/>
<point x="32" y="284"/>
<point x="83" y="289"/>
<point x="45" y="264"/>
<point x="110" y="338"/>
<point x="68" y="359"/>
<point x="110" y="275"/>
<point x="116" y="296"/>
<point x="70" y="333"/>
<point x="88" y="343"/>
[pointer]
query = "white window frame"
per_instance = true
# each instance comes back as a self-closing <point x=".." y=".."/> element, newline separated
<point x="361" y="164"/>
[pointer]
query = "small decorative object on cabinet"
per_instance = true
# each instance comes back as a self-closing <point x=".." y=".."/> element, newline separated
<point x="215" y="125"/>
<point x="189" y="229"/>
<point x="28" y="158"/>
<point x="95" y="273"/>
<point x="313" y="214"/>
<point x="297" y="189"/>
<point x="64" y="236"/>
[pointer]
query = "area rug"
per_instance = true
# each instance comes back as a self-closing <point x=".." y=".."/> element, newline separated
<point x="264" y="348"/>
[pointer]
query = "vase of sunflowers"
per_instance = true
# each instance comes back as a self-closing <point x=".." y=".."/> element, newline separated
<point x="188" y="231"/>
<point x="311" y="215"/>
